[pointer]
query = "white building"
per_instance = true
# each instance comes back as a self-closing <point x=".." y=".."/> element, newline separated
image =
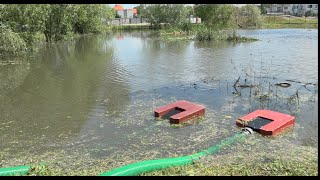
<point x="294" y="9"/>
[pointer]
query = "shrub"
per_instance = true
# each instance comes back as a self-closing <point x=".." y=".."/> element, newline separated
<point x="10" y="42"/>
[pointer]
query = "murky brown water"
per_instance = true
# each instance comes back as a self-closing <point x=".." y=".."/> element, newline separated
<point x="97" y="94"/>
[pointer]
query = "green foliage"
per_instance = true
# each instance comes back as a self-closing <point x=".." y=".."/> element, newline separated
<point x="108" y="12"/>
<point x="207" y="34"/>
<point x="236" y="38"/>
<point x="263" y="8"/>
<point x="170" y="14"/>
<point x="248" y="16"/>
<point x="308" y="13"/>
<point x="36" y="22"/>
<point x="186" y="27"/>
<point x="190" y="10"/>
<point x="24" y="19"/>
<point x="88" y="17"/>
<point x="216" y="16"/>
<point x="140" y="10"/>
<point x="59" y="21"/>
<point x="10" y="42"/>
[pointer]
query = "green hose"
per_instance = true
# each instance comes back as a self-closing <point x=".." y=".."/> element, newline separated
<point x="14" y="171"/>
<point x="158" y="164"/>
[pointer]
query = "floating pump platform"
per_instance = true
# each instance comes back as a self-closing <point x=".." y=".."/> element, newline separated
<point x="266" y="122"/>
<point x="187" y="110"/>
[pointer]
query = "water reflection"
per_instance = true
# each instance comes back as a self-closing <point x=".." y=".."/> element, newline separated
<point x="67" y="83"/>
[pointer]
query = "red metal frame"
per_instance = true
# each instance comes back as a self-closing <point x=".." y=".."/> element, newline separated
<point x="190" y="110"/>
<point x="279" y="122"/>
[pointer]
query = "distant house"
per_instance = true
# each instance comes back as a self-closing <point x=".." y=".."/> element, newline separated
<point x="125" y="13"/>
<point x="293" y="9"/>
<point x="303" y="9"/>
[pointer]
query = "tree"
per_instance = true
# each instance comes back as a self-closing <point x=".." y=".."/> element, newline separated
<point x="25" y="19"/>
<point x="264" y="7"/>
<point x="36" y="22"/>
<point x="59" y="21"/>
<point x="10" y="42"/>
<point x="215" y="16"/>
<point x="190" y="10"/>
<point x="89" y="17"/>
<point x="140" y="10"/>
<point x="172" y="14"/>
<point x="108" y="12"/>
<point x="248" y="16"/>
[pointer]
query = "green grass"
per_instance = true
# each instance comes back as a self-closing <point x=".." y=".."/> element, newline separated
<point x="274" y="22"/>
<point x="275" y="168"/>
<point x="278" y="26"/>
<point x="224" y="165"/>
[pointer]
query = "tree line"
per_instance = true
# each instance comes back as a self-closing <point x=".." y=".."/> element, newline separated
<point x="214" y="16"/>
<point x="23" y="25"/>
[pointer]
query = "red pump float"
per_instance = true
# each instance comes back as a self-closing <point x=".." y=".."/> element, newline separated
<point x="266" y="122"/>
<point x="188" y="110"/>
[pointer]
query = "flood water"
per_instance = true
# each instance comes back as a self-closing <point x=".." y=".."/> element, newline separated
<point x="96" y="95"/>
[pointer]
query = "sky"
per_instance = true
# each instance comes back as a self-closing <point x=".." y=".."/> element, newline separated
<point x="125" y="6"/>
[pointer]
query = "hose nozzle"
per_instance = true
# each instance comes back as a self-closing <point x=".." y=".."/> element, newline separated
<point x="247" y="130"/>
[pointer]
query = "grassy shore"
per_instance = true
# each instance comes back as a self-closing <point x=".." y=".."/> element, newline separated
<point x="274" y="168"/>
<point x="275" y="22"/>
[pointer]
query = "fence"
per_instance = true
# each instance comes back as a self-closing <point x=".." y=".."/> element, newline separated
<point x="121" y="21"/>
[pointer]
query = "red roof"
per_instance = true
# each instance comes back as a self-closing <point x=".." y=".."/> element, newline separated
<point x="118" y="7"/>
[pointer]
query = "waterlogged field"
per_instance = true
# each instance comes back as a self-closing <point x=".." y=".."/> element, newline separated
<point x="86" y="106"/>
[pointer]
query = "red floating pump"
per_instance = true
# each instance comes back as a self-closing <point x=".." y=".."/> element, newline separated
<point x="266" y="122"/>
<point x="187" y="110"/>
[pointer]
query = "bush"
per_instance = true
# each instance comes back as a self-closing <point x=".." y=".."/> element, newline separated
<point x="186" y="27"/>
<point x="10" y="42"/>
<point x="236" y="38"/>
<point x="308" y="13"/>
<point x="208" y="34"/>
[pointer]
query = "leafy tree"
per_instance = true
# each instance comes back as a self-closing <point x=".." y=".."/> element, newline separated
<point x="190" y="10"/>
<point x="140" y="10"/>
<point x="264" y="7"/>
<point x="108" y="12"/>
<point x="216" y="16"/>
<point x="24" y="19"/>
<point x="172" y="14"/>
<point x="59" y="21"/>
<point x="248" y="16"/>
<point x="10" y="42"/>
<point x="88" y="18"/>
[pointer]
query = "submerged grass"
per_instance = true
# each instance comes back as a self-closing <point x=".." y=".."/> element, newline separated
<point x="241" y="159"/>
<point x="275" y="168"/>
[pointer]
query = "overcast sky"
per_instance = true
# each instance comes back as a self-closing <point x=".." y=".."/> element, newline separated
<point x="125" y="6"/>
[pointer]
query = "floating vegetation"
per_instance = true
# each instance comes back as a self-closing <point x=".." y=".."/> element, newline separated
<point x="240" y="39"/>
<point x="174" y="36"/>
<point x="176" y="125"/>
